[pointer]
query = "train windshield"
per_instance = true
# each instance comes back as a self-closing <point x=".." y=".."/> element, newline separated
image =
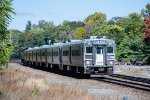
<point x="99" y="50"/>
<point x="109" y="49"/>
<point x="88" y="49"/>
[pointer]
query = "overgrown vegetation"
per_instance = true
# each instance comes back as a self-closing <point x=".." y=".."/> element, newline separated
<point x="131" y="33"/>
<point x="1" y="95"/>
<point x="23" y="85"/>
<point x="5" y="17"/>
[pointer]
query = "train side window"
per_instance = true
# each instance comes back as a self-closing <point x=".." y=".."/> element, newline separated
<point x="76" y="53"/>
<point x="49" y="53"/>
<point x="38" y="53"/>
<point x="55" y="53"/>
<point x="65" y="53"/>
<point x="42" y="53"/>
<point x="109" y="49"/>
<point x="88" y="49"/>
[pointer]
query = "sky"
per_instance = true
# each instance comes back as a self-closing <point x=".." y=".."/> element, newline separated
<point x="72" y="10"/>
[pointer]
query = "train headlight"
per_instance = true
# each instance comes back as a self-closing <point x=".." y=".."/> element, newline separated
<point x="87" y="62"/>
<point x="111" y="62"/>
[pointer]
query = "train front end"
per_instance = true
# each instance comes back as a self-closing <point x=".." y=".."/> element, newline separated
<point x="96" y="58"/>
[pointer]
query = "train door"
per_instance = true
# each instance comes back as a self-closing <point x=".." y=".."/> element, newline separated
<point x="99" y="55"/>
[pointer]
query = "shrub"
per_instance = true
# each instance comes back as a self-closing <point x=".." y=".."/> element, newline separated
<point x="1" y="95"/>
<point x="146" y="60"/>
<point x="5" y="52"/>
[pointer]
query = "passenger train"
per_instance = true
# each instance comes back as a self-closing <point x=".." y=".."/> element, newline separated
<point x="94" y="56"/>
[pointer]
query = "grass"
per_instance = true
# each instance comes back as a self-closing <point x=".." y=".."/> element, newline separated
<point x="1" y="68"/>
<point x="19" y="85"/>
<point x="131" y="71"/>
<point x="1" y="95"/>
<point x="34" y="92"/>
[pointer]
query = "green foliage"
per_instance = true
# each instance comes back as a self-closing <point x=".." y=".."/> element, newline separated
<point x="133" y="25"/>
<point x="34" y="92"/>
<point x="114" y="32"/>
<point x="131" y="45"/>
<point x="5" y="17"/>
<point x="146" y="60"/>
<point x="92" y="20"/>
<point x="28" y="26"/>
<point x="80" y="33"/>
<point x="15" y="37"/>
<point x="115" y="21"/>
<point x="42" y="24"/>
<point x="129" y="48"/>
<point x="146" y="49"/>
<point x="96" y="18"/>
<point x="146" y="11"/>
<point x="5" y="51"/>
<point x="73" y="24"/>
<point x="1" y="95"/>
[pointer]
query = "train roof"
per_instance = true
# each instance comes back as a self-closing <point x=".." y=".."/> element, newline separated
<point x="103" y="40"/>
<point x="44" y="46"/>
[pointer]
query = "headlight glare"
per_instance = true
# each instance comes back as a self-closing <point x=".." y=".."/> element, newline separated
<point x="87" y="62"/>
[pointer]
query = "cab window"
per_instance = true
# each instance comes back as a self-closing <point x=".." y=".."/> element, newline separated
<point x="88" y="49"/>
<point x="99" y="50"/>
<point x="109" y="49"/>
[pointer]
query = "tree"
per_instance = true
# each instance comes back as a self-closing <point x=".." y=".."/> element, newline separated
<point x="146" y="11"/>
<point x="115" y="21"/>
<point x="92" y="20"/>
<point x="133" y="25"/>
<point x="45" y="25"/>
<point x="146" y="37"/>
<point x="146" y="14"/>
<point x="73" y="24"/>
<point x="28" y="26"/>
<point x="15" y="37"/>
<point x="80" y="33"/>
<point x="129" y="48"/>
<point x="96" y="18"/>
<point x="5" y="17"/>
<point x="62" y="32"/>
<point x="114" y="32"/>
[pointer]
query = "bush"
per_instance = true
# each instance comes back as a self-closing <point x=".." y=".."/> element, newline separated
<point x="1" y="95"/>
<point x="146" y="60"/>
<point x="5" y="52"/>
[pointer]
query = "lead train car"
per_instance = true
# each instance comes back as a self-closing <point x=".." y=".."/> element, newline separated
<point x="92" y="56"/>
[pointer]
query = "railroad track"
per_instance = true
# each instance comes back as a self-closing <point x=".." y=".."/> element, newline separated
<point x="128" y="81"/>
<point x="123" y="80"/>
<point x="132" y="78"/>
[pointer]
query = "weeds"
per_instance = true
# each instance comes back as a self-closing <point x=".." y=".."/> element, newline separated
<point x="34" y="92"/>
<point x="1" y="95"/>
<point x="1" y="68"/>
<point x="20" y="85"/>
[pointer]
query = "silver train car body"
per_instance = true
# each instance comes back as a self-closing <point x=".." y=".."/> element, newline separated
<point x="94" y="56"/>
